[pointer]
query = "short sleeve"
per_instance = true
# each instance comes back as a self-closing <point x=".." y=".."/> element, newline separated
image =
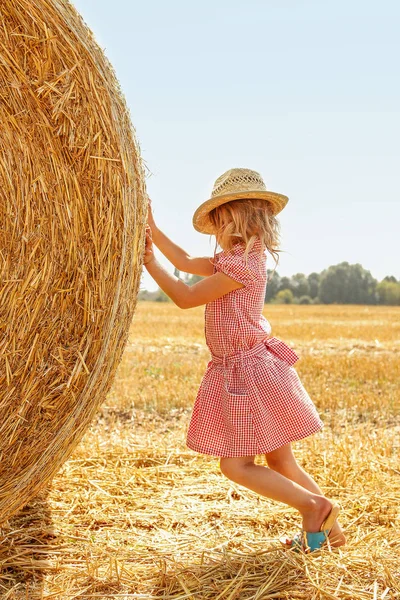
<point x="235" y="267"/>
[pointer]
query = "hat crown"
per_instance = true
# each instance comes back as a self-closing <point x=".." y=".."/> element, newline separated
<point x="238" y="180"/>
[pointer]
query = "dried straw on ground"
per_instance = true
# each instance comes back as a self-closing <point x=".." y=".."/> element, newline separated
<point x="135" y="515"/>
<point x="72" y="202"/>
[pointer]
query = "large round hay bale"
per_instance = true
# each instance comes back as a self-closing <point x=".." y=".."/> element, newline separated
<point x="72" y="221"/>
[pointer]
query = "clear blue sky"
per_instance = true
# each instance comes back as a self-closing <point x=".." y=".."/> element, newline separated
<point x="303" y="91"/>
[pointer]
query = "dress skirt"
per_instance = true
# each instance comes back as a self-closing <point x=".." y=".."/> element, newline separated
<point x="251" y="402"/>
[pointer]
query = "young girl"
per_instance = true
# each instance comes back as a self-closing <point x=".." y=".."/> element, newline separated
<point x="251" y="400"/>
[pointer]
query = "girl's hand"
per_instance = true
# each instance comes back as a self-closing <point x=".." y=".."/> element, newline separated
<point x="150" y="217"/>
<point x="148" y="251"/>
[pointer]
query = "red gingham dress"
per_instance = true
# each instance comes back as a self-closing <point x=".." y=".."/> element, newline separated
<point x="251" y="400"/>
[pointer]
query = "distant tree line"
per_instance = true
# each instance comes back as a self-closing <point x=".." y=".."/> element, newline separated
<point x="338" y="284"/>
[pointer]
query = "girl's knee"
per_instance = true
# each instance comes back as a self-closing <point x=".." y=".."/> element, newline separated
<point x="233" y="468"/>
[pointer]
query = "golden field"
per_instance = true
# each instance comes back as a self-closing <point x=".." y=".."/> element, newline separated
<point x="135" y="514"/>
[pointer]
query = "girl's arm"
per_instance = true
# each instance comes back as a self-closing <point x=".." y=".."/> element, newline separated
<point x="185" y="296"/>
<point x="176" y="255"/>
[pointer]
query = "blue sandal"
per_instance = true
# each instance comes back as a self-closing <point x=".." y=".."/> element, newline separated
<point x="308" y="541"/>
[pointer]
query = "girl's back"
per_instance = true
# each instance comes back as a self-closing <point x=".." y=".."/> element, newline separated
<point x="235" y="321"/>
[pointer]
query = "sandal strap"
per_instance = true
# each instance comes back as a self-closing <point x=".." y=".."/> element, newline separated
<point x="316" y="539"/>
<point x="309" y="541"/>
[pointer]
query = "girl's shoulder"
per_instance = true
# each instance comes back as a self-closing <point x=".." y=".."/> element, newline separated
<point x="245" y="269"/>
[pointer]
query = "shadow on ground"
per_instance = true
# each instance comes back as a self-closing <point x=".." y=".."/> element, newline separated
<point x="26" y="541"/>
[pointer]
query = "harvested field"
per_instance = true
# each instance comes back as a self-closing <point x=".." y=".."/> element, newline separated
<point x="135" y="514"/>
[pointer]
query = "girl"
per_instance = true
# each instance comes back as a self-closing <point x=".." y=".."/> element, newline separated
<point x="251" y="400"/>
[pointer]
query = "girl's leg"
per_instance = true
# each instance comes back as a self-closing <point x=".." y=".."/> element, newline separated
<point x="313" y="507"/>
<point x="283" y="461"/>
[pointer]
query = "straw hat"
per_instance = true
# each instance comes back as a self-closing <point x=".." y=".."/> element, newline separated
<point x="234" y="185"/>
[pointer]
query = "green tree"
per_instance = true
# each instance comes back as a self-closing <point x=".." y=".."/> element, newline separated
<point x="285" y="284"/>
<point x="313" y="283"/>
<point x="347" y="284"/>
<point x="284" y="297"/>
<point x="273" y="285"/>
<point x="305" y="300"/>
<point x="388" y="292"/>
<point x="299" y="285"/>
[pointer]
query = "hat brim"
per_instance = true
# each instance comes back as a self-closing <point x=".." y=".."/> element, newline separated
<point x="201" y="219"/>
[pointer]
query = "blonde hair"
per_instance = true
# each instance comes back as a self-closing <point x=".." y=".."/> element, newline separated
<point x="245" y="220"/>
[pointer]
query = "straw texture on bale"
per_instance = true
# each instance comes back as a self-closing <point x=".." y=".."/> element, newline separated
<point x="73" y="212"/>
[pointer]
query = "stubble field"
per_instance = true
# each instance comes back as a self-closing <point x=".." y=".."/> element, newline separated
<point x="135" y="514"/>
